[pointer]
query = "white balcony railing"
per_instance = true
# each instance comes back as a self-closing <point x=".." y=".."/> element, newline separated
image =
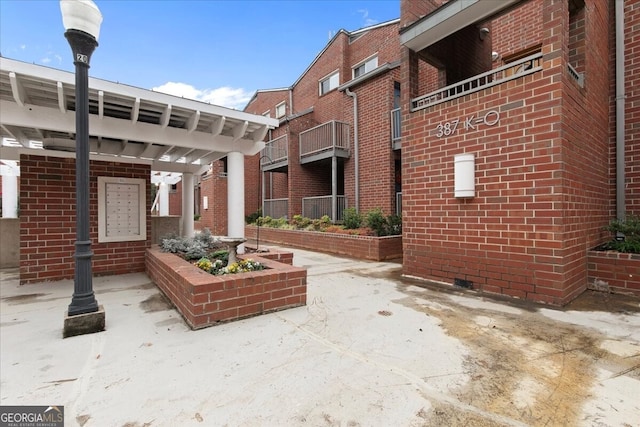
<point x="513" y="70"/>
<point x="325" y="137"/>
<point x="317" y="207"/>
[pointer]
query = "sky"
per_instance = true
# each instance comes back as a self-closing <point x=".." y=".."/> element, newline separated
<point x="214" y="51"/>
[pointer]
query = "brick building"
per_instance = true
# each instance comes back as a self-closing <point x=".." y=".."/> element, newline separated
<point x="334" y="146"/>
<point x="519" y="138"/>
<point x="509" y="140"/>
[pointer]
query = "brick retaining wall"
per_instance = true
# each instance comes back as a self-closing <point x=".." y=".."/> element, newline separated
<point x="614" y="272"/>
<point x="359" y="247"/>
<point x="206" y="300"/>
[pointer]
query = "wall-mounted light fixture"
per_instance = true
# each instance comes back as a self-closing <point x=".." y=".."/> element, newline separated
<point x="484" y="31"/>
<point x="464" y="175"/>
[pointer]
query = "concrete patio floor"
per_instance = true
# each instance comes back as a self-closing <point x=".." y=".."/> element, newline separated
<point x="370" y="349"/>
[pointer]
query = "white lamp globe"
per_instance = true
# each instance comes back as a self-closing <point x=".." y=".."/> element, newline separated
<point x="81" y="15"/>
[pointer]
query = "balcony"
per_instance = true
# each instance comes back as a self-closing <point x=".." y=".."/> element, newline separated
<point x="324" y="141"/>
<point x="274" y="157"/>
<point x="317" y="207"/>
<point x="396" y="129"/>
<point x="511" y="71"/>
<point x="275" y="208"/>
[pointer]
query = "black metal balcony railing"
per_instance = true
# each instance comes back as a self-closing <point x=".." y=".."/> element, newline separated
<point x="328" y="136"/>
<point x="275" y="151"/>
<point x="513" y="70"/>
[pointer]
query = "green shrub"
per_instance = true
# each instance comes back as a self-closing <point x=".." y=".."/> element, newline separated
<point x="190" y="248"/>
<point x="300" y="222"/>
<point x="376" y="221"/>
<point x="351" y="218"/>
<point x="630" y="229"/>
<point x="252" y="218"/>
<point x="395" y="224"/>
<point x="264" y="221"/>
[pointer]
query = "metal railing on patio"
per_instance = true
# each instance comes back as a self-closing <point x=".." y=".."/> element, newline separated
<point x="511" y="71"/>
<point x="275" y="208"/>
<point x="399" y="203"/>
<point x="317" y="207"/>
<point x="396" y="128"/>
<point x="274" y="151"/>
<point x="327" y="136"/>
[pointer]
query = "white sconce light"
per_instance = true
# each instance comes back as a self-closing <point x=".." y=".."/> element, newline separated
<point x="205" y="202"/>
<point x="464" y="175"/>
<point x="484" y="31"/>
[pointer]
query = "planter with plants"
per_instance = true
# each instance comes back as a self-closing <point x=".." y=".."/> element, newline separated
<point x="615" y="265"/>
<point x="371" y="236"/>
<point x="194" y="275"/>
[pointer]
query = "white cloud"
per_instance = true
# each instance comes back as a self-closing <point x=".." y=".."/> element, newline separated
<point x="52" y="58"/>
<point x="224" y="96"/>
<point x="365" y="17"/>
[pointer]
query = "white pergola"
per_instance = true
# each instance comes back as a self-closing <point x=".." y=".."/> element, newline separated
<point x="130" y="125"/>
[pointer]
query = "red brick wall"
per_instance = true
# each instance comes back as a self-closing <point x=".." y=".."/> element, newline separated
<point x="48" y="220"/>
<point x="541" y="179"/>
<point x="374" y="108"/>
<point x="517" y="29"/>
<point x="359" y="247"/>
<point x="376" y="168"/>
<point x="632" y="106"/>
<point x="214" y="186"/>
<point x="206" y="300"/>
<point x="411" y="10"/>
<point x="175" y="200"/>
<point x="614" y="272"/>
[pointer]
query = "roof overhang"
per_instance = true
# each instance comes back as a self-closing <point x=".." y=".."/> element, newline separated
<point x="448" y="19"/>
<point x="371" y="74"/>
<point x="126" y="123"/>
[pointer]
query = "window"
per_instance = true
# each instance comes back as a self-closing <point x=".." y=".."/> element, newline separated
<point x="329" y="83"/>
<point x="365" y="67"/>
<point x="521" y="55"/>
<point x="281" y="110"/>
<point x="121" y="209"/>
<point x="267" y="113"/>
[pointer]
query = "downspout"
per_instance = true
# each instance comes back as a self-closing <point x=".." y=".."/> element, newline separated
<point x="355" y="147"/>
<point x="620" y="113"/>
<point x="290" y="101"/>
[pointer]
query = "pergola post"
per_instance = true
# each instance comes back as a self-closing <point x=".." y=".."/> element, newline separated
<point x="187" y="205"/>
<point x="235" y="196"/>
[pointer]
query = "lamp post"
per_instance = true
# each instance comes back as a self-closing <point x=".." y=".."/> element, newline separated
<point x="81" y="20"/>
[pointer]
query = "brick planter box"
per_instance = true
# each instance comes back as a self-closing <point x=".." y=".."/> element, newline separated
<point x="614" y="272"/>
<point x="360" y="247"/>
<point x="206" y="300"/>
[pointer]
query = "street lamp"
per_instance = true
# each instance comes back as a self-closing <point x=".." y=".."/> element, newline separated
<point x="81" y="20"/>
